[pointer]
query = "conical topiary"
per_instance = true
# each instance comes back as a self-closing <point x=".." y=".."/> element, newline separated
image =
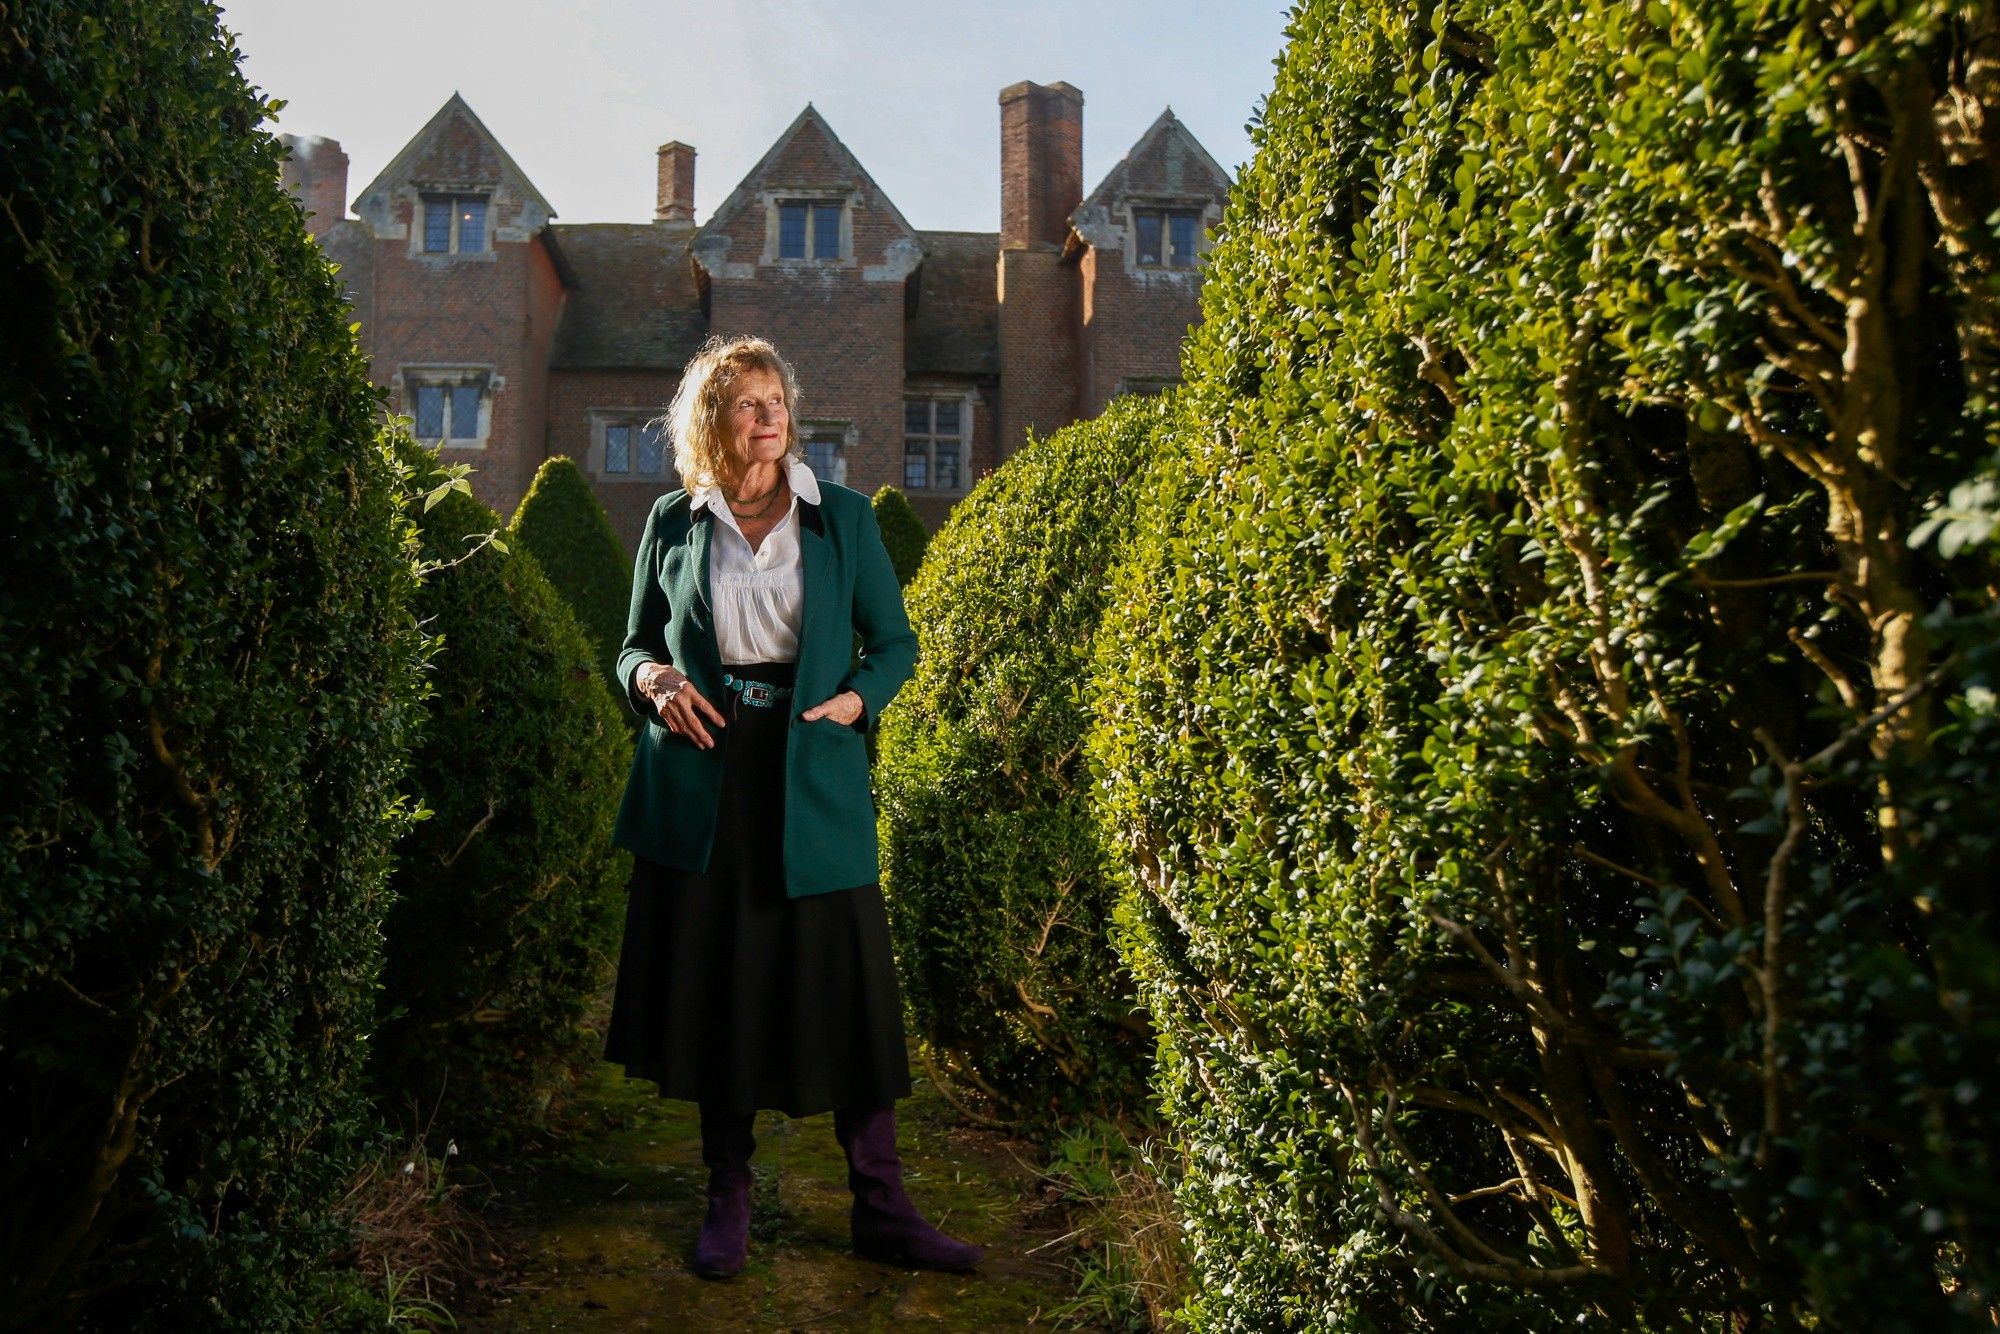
<point x="508" y="895"/>
<point x="560" y="522"/>
<point x="902" y="532"/>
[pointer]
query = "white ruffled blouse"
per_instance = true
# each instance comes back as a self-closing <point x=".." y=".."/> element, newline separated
<point x="758" y="595"/>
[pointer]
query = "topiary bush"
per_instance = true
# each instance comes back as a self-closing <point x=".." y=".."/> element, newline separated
<point x="212" y="666"/>
<point x="560" y="524"/>
<point x="509" y="894"/>
<point x="990" y="859"/>
<point x="1542" y="720"/>
<point x="902" y="532"/>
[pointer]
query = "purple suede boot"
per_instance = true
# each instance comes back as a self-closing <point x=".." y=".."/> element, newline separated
<point x="726" y="1144"/>
<point x="884" y="1224"/>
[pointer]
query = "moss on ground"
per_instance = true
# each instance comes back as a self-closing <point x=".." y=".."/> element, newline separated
<point x="600" y="1223"/>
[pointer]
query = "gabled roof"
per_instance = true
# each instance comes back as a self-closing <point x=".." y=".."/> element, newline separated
<point x="634" y="305"/>
<point x="847" y="170"/>
<point x="488" y="163"/>
<point x="1167" y="162"/>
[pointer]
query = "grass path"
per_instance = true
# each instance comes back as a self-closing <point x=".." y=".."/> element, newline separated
<point x="600" y="1222"/>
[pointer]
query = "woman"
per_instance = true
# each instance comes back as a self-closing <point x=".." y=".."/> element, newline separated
<point x="756" y="969"/>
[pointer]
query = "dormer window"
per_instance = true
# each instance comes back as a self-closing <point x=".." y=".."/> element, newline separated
<point x="1166" y="238"/>
<point x="809" y="229"/>
<point x="454" y="224"/>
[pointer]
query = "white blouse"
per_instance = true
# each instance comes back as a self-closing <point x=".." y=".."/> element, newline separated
<point x="758" y="595"/>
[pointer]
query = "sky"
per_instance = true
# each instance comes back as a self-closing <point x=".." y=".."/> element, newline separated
<point x="582" y="92"/>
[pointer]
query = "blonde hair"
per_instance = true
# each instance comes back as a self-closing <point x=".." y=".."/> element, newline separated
<point x="697" y="420"/>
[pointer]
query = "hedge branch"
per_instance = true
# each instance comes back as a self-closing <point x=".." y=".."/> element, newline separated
<point x="1842" y="682"/>
<point x="478" y="828"/>
<point x="1505" y="1271"/>
<point x="1770" y="974"/>
<point x="950" y="1094"/>
<point x="1695" y="1208"/>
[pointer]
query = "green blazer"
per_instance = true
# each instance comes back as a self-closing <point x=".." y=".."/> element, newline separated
<point x="668" y="814"/>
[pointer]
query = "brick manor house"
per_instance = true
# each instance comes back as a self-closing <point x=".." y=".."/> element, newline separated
<point x="923" y="356"/>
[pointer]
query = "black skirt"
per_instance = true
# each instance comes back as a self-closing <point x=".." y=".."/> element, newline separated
<point x="731" y="993"/>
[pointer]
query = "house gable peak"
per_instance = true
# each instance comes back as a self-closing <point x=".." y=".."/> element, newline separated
<point x="454" y="152"/>
<point x="809" y="158"/>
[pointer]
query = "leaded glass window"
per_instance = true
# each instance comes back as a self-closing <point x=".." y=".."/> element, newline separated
<point x="465" y="412"/>
<point x="1166" y="238"/>
<point x="826" y="231"/>
<point x="791" y="231"/>
<point x="1148" y="223"/>
<point x="808" y="229"/>
<point x="446" y="405"/>
<point x="430" y="412"/>
<point x="934" y="443"/>
<point x="471" y="226"/>
<point x="437" y="225"/>
<point x="822" y="452"/>
<point x="454" y="224"/>
<point x="652" y="451"/>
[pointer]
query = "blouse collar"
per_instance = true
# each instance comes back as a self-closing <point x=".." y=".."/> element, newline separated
<point x="798" y="475"/>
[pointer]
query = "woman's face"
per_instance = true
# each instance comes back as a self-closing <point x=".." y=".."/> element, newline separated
<point x="759" y="424"/>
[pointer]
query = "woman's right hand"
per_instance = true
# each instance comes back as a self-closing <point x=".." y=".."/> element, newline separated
<point x="680" y="706"/>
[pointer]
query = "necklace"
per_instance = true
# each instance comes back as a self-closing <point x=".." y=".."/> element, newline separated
<point x="769" y="499"/>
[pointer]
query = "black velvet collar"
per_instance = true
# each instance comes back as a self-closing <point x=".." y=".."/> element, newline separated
<point x="809" y="516"/>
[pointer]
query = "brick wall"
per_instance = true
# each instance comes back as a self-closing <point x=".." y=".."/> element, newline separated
<point x="543" y="311"/>
<point x="1133" y="324"/>
<point x="573" y="396"/>
<point x="451" y="310"/>
<point x="846" y="343"/>
<point x="1039" y="321"/>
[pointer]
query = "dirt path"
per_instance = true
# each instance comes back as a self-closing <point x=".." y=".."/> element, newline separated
<point x="602" y="1223"/>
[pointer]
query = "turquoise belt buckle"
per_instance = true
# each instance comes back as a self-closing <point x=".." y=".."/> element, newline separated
<point x="757" y="694"/>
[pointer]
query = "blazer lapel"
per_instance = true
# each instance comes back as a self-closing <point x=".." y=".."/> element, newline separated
<point x="701" y="534"/>
<point x="814" y="558"/>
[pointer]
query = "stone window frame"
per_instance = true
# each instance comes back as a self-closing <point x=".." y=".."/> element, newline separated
<point x="410" y="378"/>
<point x="600" y="419"/>
<point x="821" y="428"/>
<point x="1206" y="215"/>
<point x="425" y="196"/>
<point x="969" y="399"/>
<point x="1147" y="385"/>
<point x="771" y="199"/>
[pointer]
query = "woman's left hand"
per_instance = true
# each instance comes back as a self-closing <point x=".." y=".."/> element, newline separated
<point x="842" y="708"/>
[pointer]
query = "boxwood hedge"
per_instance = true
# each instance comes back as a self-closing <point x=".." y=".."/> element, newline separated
<point x="211" y="665"/>
<point x="1549" y="725"/>
<point x="902" y="532"/>
<point x="509" y="896"/>
<point x="990" y="859"/>
<point x="560" y="524"/>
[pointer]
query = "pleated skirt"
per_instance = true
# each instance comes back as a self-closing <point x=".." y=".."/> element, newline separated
<point x="731" y="993"/>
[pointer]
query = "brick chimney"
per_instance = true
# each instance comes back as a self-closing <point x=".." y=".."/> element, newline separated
<point x="317" y="173"/>
<point x="676" y="199"/>
<point x="1041" y="162"/>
